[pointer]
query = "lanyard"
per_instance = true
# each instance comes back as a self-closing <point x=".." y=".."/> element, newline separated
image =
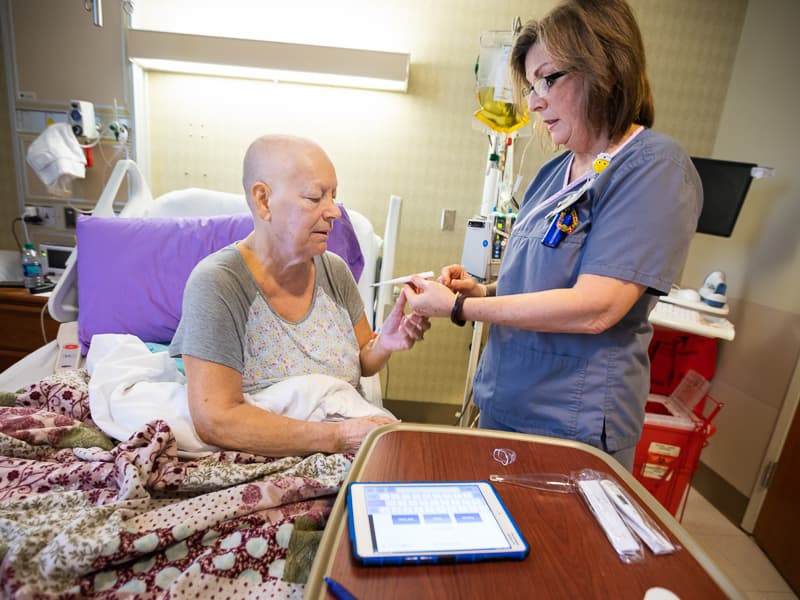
<point x="587" y="179"/>
<point x="572" y="198"/>
<point x="584" y="179"/>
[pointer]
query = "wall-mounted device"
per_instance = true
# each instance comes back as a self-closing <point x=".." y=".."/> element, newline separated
<point x="81" y="118"/>
<point x="725" y="185"/>
<point x="54" y="258"/>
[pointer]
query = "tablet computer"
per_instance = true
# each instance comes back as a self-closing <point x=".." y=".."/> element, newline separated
<point x="435" y="522"/>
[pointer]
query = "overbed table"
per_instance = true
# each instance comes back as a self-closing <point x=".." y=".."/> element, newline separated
<point x="570" y="556"/>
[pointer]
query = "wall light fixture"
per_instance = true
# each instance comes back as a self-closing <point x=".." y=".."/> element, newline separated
<point x="273" y="61"/>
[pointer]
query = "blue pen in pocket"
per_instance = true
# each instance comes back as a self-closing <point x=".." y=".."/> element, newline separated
<point x="562" y="225"/>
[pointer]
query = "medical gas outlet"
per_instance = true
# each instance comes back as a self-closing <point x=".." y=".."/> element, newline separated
<point x="119" y="130"/>
<point x="81" y="119"/>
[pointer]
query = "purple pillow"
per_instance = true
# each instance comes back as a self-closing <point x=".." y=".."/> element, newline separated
<point x="343" y="241"/>
<point x="131" y="272"/>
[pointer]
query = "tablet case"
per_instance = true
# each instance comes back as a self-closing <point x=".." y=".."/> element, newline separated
<point x="434" y="557"/>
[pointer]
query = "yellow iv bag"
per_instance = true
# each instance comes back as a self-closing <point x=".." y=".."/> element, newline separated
<point x="493" y="86"/>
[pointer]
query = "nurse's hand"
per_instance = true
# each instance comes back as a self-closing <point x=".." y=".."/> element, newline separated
<point x="457" y="279"/>
<point x="429" y="298"/>
<point x="400" y="331"/>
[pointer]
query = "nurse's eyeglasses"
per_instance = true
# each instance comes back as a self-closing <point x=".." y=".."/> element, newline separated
<point x="542" y="86"/>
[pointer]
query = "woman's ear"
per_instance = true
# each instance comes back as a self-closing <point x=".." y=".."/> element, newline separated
<point x="261" y="193"/>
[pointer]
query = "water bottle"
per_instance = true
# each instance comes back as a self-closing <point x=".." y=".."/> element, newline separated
<point x="32" y="268"/>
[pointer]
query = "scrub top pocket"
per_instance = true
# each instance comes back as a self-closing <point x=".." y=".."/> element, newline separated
<point x="551" y="405"/>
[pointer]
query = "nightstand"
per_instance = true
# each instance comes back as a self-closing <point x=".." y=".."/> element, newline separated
<point x="21" y="324"/>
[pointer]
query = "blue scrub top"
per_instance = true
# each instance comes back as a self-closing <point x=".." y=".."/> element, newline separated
<point x="635" y="224"/>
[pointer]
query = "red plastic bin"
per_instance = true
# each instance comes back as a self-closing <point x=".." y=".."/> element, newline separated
<point x="676" y="429"/>
<point x="674" y="353"/>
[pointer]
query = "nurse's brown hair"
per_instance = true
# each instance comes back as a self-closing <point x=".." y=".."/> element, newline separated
<point x="601" y="42"/>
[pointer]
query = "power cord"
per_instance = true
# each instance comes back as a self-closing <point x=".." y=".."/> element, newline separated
<point x="14" y="232"/>
<point x="41" y="322"/>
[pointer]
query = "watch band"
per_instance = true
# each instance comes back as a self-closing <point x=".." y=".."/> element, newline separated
<point x="458" y="305"/>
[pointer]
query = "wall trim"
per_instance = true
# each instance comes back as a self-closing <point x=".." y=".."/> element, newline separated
<point x="721" y="494"/>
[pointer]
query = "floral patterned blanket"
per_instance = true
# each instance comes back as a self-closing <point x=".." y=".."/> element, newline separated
<point x="83" y="516"/>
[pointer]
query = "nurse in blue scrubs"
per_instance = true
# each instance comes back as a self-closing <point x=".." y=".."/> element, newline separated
<point x="603" y="229"/>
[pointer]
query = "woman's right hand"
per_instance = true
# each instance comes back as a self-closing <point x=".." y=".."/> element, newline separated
<point x="351" y="432"/>
<point x="457" y="279"/>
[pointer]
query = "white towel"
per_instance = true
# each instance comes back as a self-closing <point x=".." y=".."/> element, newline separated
<point x="57" y="158"/>
<point x="131" y="386"/>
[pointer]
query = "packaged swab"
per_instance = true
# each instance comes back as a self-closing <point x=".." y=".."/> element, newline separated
<point x="622" y="539"/>
<point x="622" y="519"/>
<point x="637" y="519"/>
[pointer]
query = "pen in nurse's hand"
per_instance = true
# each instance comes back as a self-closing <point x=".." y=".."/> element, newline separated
<point x="338" y="590"/>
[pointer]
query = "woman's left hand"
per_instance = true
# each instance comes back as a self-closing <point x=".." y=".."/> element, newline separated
<point x="400" y="331"/>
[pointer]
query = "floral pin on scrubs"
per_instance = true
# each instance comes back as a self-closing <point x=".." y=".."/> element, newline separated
<point x="565" y="220"/>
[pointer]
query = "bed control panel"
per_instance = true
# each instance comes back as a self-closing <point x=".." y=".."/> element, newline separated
<point x="69" y="348"/>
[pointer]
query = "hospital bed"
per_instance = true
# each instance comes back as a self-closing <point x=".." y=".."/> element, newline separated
<point x="85" y="514"/>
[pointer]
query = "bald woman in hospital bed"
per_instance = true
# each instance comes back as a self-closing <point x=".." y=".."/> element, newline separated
<point x="277" y="305"/>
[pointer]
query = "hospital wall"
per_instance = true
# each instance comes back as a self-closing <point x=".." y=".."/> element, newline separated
<point x="710" y="95"/>
<point x="759" y="124"/>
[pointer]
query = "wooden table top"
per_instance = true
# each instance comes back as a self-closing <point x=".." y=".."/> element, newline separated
<point x="570" y="556"/>
<point x="21" y="296"/>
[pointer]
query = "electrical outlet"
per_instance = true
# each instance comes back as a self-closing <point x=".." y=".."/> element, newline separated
<point x="49" y="216"/>
<point x="69" y="217"/>
<point x="448" y="222"/>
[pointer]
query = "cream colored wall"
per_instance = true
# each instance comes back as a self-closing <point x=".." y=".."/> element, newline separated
<point x="759" y="124"/>
<point x="419" y="145"/>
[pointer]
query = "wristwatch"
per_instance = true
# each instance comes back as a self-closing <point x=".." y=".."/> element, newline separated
<point x="458" y="305"/>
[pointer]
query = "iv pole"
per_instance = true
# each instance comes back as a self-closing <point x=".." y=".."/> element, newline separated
<point x="496" y="184"/>
<point x="498" y="187"/>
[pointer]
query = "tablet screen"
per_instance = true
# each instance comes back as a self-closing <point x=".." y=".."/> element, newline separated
<point x="417" y="521"/>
